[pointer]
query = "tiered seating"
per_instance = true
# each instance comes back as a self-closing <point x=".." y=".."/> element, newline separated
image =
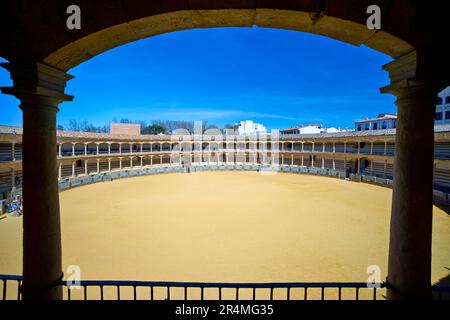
<point x="92" y="167"/>
<point x="339" y="147"/>
<point x="442" y="150"/>
<point x="378" y="169"/>
<point x="307" y="147"/>
<point x="5" y="152"/>
<point x="442" y="178"/>
<point x="352" y="148"/>
<point x="339" y="163"/>
<point x="389" y="171"/>
<point x="328" y="163"/>
<point x="390" y="149"/>
<point x="328" y="147"/>
<point x="103" y="165"/>
<point x="18" y="151"/>
<point x="364" y="147"/>
<point x="66" y="171"/>
<point x="378" y="148"/>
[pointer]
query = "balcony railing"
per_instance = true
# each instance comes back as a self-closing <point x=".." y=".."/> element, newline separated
<point x="216" y="291"/>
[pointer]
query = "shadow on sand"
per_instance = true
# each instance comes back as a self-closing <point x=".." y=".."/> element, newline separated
<point x="443" y="282"/>
<point x="443" y="206"/>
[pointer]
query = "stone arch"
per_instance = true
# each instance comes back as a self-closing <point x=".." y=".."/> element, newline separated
<point x="331" y="22"/>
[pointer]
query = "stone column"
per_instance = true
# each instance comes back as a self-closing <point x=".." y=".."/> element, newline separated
<point x="40" y="89"/>
<point x="292" y="159"/>
<point x="73" y="149"/>
<point x="13" y="152"/>
<point x="13" y="179"/>
<point x="109" y="149"/>
<point x="409" y="264"/>
<point x="59" y="171"/>
<point x="73" y="169"/>
<point x="86" y="167"/>
<point x="98" y="166"/>
<point x="97" y="149"/>
<point x="85" y="149"/>
<point x="59" y="149"/>
<point x="120" y="163"/>
<point x="109" y="164"/>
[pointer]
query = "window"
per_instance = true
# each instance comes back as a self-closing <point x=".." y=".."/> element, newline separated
<point x="438" y="116"/>
<point x="375" y="126"/>
<point x="447" y="99"/>
<point x="359" y="127"/>
<point x="384" y="125"/>
<point x="394" y="124"/>
<point x="447" y="115"/>
<point x="440" y="101"/>
<point x="367" y="126"/>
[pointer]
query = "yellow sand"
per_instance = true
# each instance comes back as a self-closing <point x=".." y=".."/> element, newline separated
<point x="226" y="227"/>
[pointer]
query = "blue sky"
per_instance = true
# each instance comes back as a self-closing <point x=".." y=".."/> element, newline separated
<point x="276" y="77"/>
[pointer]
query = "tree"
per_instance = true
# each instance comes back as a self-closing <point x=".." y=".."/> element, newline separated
<point x="154" y="129"/>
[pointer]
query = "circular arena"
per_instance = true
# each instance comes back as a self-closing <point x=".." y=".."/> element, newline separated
<point x="227" y="226"/>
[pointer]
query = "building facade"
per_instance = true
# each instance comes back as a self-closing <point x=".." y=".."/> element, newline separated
<point x="383" y="121"/>
<point x="442" y="115"/>
<point x="94" y="157"/>
<point x="313" y="128"/>
<point x="249" y="127"/>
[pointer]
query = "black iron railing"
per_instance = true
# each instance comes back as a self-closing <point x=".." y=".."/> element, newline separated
<point x="216" y="290"/>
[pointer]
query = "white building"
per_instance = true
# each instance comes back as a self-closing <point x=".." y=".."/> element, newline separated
<point x="312" y="128"/>
<point x="442" y="115"/>
<point x="383" y="121"/>
<point x="249" y="127"/>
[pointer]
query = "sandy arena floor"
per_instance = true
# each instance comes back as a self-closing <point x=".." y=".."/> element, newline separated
<point x="226" y="227"/>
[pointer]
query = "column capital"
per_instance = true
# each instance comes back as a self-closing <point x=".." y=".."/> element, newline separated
<point x="408" y="80"/>
<point x="33" y="80"/>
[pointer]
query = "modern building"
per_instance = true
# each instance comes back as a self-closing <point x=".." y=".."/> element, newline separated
<point x="442" y="115"/>
<point x="383" y="121"/>
<point x="249" y="127"/>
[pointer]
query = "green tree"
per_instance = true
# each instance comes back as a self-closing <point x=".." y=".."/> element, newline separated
<point x="154" y="129"/>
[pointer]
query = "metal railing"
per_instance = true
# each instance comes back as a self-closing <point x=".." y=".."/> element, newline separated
<point x="216" y="291"/>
